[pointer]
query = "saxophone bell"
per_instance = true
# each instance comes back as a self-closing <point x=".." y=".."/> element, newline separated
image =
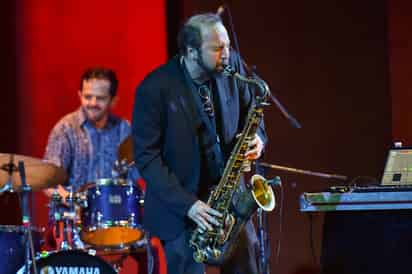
<point x="262" y="192"/>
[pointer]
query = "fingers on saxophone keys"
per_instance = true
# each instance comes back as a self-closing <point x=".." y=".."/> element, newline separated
<point x="203" y="223"/>
<point x="211" y="219"/>
<point x="214" y="212"/>
<point x="253" y="143"/>
<point x="201" y="226"/>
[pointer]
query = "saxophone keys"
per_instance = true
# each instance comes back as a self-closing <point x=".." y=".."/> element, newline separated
<point x="246" y="166"/>
<point x="199" y="256"/>
<point x="216" y="253"/>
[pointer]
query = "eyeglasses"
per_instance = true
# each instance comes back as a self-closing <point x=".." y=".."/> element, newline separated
<point x="204" y="92"/>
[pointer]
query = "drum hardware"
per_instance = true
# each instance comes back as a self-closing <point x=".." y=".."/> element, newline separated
<point x="121" y="169"/>
<point x="124" y="217"/>
<point x="99" y="217"/>
<point x="81" y="199"/>
<point x="13" y="178"/>
<point x="98" y="193"/>
<point x="26" y="219"/>
<point x="130" y="191"/>
<point x="64" y="222"/>
<point x="68" y="221"/>
<point x="131" y="220"/>
<point x="20" y="229"/>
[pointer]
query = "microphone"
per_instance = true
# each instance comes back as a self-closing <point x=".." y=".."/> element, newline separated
<point x="275" y="182"/>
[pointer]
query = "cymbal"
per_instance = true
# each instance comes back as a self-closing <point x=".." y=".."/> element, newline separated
<point x="125" y="151"/>
<point x="39" y="175"/>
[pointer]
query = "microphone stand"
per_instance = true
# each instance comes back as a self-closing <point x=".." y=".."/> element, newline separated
<point x="264" y="244"/>
<point x="306" y="172"/>
<point x="24" y="201"/>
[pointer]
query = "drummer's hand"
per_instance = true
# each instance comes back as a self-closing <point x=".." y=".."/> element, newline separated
<point x="60" y="190"/>
<point x="203" y="215"/>
<point x="255" y="148"/>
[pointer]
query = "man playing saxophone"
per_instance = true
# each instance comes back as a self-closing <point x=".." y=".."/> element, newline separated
<point x="185" y="121"/>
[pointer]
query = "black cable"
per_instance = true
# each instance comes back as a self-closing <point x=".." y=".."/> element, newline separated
<point x="312" y="241"/>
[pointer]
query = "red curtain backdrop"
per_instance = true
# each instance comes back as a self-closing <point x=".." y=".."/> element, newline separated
<point x="58" y="40"/>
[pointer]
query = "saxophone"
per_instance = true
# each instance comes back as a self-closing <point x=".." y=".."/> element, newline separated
<point x="236" y="205"/>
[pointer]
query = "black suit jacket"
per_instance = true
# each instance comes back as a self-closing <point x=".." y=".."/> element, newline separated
<point x="169" y="131"/>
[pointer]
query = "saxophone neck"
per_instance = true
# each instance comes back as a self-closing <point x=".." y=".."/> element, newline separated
<point x="255" y="80"/>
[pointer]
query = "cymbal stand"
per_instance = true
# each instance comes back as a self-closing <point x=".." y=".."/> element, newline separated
<point x="26" y="220"/>
<point x="67" y="218"/>
<point x="71" y="235"/>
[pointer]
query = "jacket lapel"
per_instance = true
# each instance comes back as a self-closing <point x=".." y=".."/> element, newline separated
<point x="224" y="103"/>
<point x="193" y="107"/>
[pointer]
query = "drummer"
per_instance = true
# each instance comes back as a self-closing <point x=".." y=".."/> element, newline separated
<point x="85" y="142"/>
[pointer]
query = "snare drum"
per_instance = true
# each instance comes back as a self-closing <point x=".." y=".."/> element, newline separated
<point x="111" y="213"/>
<point x="70" y="261"/>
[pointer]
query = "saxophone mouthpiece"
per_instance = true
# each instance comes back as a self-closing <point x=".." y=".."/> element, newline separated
<point x="228" y="70"/>
<point x="231" y="72"/>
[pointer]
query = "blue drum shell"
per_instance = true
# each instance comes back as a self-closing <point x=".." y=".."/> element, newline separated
<point x="115" y="203"/>
<point x="12" y="253"/>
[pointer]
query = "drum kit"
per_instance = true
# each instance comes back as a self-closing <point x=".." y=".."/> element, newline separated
<point x="92" y="230"/>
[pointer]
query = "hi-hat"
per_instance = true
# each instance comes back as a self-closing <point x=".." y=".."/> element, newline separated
<point x="39" y="175"/>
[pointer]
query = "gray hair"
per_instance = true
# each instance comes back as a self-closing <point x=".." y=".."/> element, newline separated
<point x="190" y="35"/>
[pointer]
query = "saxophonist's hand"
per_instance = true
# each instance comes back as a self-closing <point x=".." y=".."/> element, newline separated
<point x="203" y="215"/>
<point x="255" y="148"/>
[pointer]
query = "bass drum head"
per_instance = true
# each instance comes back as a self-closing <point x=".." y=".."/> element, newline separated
<point x="72" y="261"/>
<point x="12" y="248"/>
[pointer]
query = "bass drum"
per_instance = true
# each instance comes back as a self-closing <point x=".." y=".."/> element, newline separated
<point x="12" y="239"/>
<point x="71" y="261"/>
